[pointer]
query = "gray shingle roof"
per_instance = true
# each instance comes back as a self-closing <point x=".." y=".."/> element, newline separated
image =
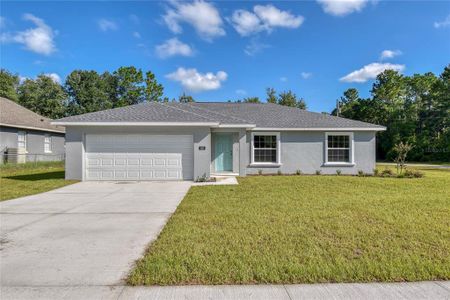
<point x="261" y="115"/>
<point x="15" y="115"/>
<point x="269" y="115"/>
<point x="144" y="112"/>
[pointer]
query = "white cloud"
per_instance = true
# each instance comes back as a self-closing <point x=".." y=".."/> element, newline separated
<point x="370" y="71"/>
<point x="55" y="77"/>
<point x="135" y="19"/>
<point x="106" y="25"/>
<point x="342" y="7"/>
<point x="22" y="79"/>
<point x="245" y="22"/>
<point x="263" y="17"/>
<point x="273" y="17"/>
<point x="173" y="47"/>
<point x="136" y="35"/>
<point x="283" y="79"/>
<point x="203" y="16"/>
<point x="305" y="75"/>
<point x="254" y="47"/>
<point x="241" y="92"/>
<point x="197" y="82"/>
<point x="442" y="24"/>
<point x="39" y="39"/>
<point x="385" y="54"/>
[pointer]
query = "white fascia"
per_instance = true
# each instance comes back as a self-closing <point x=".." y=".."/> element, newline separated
<point x="321" y="129"/>
<point x="62" y="123"/>
<point x="32" y="128"/>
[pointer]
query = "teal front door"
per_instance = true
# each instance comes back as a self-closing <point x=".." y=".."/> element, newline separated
<point x="224" y="153"/>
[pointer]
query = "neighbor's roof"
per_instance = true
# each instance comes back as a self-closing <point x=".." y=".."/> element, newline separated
<point x="14" y="115"/>
<point x="219" y="114"/>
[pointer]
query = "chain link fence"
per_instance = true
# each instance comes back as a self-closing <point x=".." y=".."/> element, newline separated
<point x="29" y="158"/>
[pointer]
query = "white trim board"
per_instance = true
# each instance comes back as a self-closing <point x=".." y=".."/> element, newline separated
<point x="321" y="129"/>
<point x="252" y="150"/>
<point x="134" y="123"/>
<point x="32" y="128"/>
<point x="351" y="150"/>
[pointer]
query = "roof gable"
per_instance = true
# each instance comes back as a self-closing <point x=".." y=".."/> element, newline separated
<point x="15" y="115"/>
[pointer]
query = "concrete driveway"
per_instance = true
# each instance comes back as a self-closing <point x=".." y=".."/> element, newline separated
<point x="86" y="234"/>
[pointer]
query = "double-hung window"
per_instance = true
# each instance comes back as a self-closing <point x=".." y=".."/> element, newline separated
<point x="339" y="148"/>
<point x="47" y="143"/>
<point x="265" y="148"/>
<point x="22" y="140"/>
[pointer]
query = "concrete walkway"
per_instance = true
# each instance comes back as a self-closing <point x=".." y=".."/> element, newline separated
<point x="85" y="234"/>
<point x="398" y="291"/>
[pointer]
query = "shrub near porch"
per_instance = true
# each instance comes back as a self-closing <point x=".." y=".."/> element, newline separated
<point x="304" y="229"/>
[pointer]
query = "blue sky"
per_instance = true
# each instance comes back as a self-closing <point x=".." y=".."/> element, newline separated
<point x="218" y="51"/>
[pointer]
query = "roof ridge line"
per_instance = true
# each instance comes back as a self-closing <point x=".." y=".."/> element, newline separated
<point x="163" y="104"/>
<point x="223" y="115"/>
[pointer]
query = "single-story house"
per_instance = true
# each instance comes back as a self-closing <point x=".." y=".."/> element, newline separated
<point x="185" y="141"/>
<point x="27" y="136"/>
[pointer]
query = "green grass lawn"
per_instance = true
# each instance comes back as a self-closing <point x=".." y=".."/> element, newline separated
<point x="28" y="179"/>
<point x="305" y="229"/>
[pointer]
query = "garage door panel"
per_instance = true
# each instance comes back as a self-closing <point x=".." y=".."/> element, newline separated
<point x="146" y="175"/>
<point x="94" y="162"/>
<point x="173" y="173"/>
<point x="120" y="174"/>
<point x="139" y="157"/>
<point x="120" y="162"/>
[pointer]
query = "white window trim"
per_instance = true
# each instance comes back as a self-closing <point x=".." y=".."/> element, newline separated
<point x="50" y="143"/>
<point x="24" y="139"/>
<point x="252" y="150"/>
<point x="352" y="149"/>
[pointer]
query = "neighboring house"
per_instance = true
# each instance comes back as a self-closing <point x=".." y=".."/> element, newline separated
<point x="27" y="136"/>
<point x="175" y="141"/>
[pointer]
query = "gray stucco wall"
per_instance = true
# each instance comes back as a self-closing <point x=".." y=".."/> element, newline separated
<point x="75" y="145"/>
<point x="305" y="151"/>
<point x="35" y="143"/>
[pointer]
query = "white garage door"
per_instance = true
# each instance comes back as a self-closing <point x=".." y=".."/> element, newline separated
<point x="139" y="157"/>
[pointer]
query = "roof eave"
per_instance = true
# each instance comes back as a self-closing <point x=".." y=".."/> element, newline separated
<point x="247" y="126"/>
<point x="32" y="127"/>
<point x="72" y="123"/>
<point x="320" y="129"/>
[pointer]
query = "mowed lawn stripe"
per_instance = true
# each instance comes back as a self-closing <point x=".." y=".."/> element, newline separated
<point x="304" y="229"/>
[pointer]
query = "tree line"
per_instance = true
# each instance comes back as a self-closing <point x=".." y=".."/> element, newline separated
<point x="415" y="109"/>
<point x="287" y="98"/>
<point x="83" y="91"/>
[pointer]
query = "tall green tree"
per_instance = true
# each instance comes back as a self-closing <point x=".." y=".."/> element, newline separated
<point x="251" y="100"/>
<point x="271" y="96"/>
<point x="43" y="96"/>
<point x="185" y="98"/>
<point x="130" y="86"/>
<point x="301" y="103"/>
<point x="153" y="90"/>
<point x="288" y="98"/>
<point x="8" y="85"/>
<point x="88" y="92"/>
